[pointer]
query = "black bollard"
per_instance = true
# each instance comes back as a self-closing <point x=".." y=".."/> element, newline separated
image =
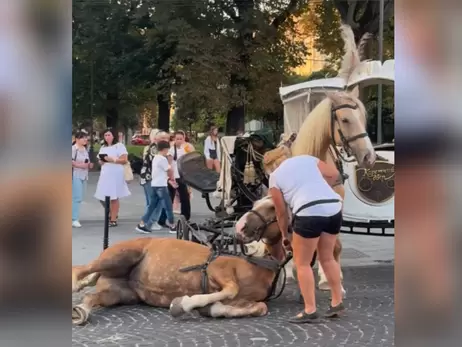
<point x="106" y="222"/>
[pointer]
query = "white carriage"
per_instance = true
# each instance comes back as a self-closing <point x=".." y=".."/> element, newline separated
<point x="369" y="194"/>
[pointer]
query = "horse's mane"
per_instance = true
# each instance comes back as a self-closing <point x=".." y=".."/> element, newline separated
<point x="313" y="136"/>
<point x="314" y="132"/>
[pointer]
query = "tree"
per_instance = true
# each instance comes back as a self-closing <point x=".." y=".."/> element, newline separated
<point x="108" y="48"/>
<point x="322" y="20"/>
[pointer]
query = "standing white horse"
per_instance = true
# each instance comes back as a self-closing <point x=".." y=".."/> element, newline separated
<point x="339" y="120"/>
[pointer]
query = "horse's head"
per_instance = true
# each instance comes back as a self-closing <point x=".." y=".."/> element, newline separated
<point x="348" y="127"/>
<point x="259" y="223"/>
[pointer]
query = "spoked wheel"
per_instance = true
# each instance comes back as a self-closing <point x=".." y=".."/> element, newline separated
<point x="182" y="229"/>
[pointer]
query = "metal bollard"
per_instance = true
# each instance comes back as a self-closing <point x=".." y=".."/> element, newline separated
<point x="107" y="203"/>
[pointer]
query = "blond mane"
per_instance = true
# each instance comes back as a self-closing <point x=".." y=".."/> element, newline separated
<point x="314" y="134"/>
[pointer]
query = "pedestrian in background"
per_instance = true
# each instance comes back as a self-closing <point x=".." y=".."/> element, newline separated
<point x="160" y="195"/>
<point x="80" y="166"/>
<point x="112" y="157"/>
<point x="212" y="150"/>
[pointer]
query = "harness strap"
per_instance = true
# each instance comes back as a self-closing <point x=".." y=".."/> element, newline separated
<point x="316" y="202"/>
<point x="214" y="254"/>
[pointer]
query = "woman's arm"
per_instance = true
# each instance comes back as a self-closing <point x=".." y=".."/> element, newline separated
<point x="170" y="172"/>
<point x="207" y="143"/>
<point x="329" y="172"/>
<point x="123" y="159"/>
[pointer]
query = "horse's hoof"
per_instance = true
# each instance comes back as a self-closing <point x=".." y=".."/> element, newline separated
<point x="176" y="308"/>
<point x="79" y="315"/>
<point x="260" y="310"/>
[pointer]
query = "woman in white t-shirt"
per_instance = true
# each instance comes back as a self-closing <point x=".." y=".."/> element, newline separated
<point x="304" y="183"/>
<point x="212" y="150"/>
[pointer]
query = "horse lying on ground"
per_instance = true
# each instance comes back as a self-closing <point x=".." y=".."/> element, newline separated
<point x="180" y="275"/>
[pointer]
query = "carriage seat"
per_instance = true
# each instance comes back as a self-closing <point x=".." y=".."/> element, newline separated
<point x="195" y="173"/>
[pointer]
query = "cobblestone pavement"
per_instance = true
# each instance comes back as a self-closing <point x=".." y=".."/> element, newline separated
<point x="369" y="321"/>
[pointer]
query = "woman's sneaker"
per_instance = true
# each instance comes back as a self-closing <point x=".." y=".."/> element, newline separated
<point x="143" y="229"/>
<point x="171" y="228"/>
<point x="155" y="226"/>
<point x="76" y="224"/>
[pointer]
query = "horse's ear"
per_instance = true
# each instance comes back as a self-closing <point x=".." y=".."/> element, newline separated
<point x="334" y="97"/>
<point x="354" y="92"/>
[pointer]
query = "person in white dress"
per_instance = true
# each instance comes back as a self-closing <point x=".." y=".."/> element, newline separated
<point x="212" y="150"/>
<point x="112" y="157"/>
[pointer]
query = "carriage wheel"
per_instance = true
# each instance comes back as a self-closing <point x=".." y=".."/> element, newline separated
<point x="182" y="229"/>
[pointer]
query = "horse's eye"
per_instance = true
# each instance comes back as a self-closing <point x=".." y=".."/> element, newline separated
<point x="344" y="120"/>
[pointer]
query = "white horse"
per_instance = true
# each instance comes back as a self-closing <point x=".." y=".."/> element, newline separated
<point x="338" y="120"/>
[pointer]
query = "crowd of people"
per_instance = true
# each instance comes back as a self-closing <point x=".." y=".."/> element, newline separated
<point x="164" y="190"/>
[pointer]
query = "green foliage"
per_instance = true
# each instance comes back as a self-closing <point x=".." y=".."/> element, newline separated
<point x="323" y="19"/>
<point x="212" y="55"/>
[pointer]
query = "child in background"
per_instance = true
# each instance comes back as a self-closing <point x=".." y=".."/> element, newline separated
<point x="160" y="193"/>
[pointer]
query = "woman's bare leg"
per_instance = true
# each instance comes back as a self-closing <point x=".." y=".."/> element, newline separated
<point x="303" y="255"/>
<point x="114" y="209"/>
<point x="216" y="164"/>
<point x="330" y="266"/>
<point x="209" y="163"/>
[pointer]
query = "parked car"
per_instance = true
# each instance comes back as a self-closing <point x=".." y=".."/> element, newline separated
<point x="140" y="140"/>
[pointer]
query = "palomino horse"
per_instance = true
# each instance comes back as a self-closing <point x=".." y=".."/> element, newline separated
<point x="339" y="120"/>
<point x="176" y="274"/>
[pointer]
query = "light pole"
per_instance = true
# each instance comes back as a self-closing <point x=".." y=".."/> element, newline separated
<point x="380" y="86"/>
<point x="91" y="108"/>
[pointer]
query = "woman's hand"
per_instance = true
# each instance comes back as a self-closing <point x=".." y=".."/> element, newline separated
<point x="111" y="159"/>
<point x="101" y="163"/>
<point x="173" y="183"/>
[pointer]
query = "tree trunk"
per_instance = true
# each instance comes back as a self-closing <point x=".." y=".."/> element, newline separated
<point x="235" y="120"/>
<point x="163" y="120"/>
<point x="112" y="110"/>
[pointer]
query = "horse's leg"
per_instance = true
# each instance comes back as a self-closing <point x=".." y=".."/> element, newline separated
<point x="112" y="292"/>
<point x="88" y="281"/>
<point x="230" y="310"/>
<point x="116" y="262"/>
<point x="184" y="304"/>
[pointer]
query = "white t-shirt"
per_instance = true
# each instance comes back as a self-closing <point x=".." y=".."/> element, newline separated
<point x="159" y="171"/>
<point x="301" y="182"/>
<point x="179" y="152"/>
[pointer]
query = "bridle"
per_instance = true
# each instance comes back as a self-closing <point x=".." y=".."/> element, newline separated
<point x="265" y="224"/>
<point x="335" y="153"/>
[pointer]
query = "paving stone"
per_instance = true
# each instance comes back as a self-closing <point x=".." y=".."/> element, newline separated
<point x="369" y="321"/>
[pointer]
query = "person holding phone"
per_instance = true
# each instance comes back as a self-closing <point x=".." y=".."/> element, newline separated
<point x="80" y="166"/>
<point x="112" y="157"/>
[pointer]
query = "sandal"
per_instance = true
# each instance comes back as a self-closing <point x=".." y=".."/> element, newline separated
<point x="304" y="317"/>
<point x="333" y="312"/>
<point x="113" y="224"/>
